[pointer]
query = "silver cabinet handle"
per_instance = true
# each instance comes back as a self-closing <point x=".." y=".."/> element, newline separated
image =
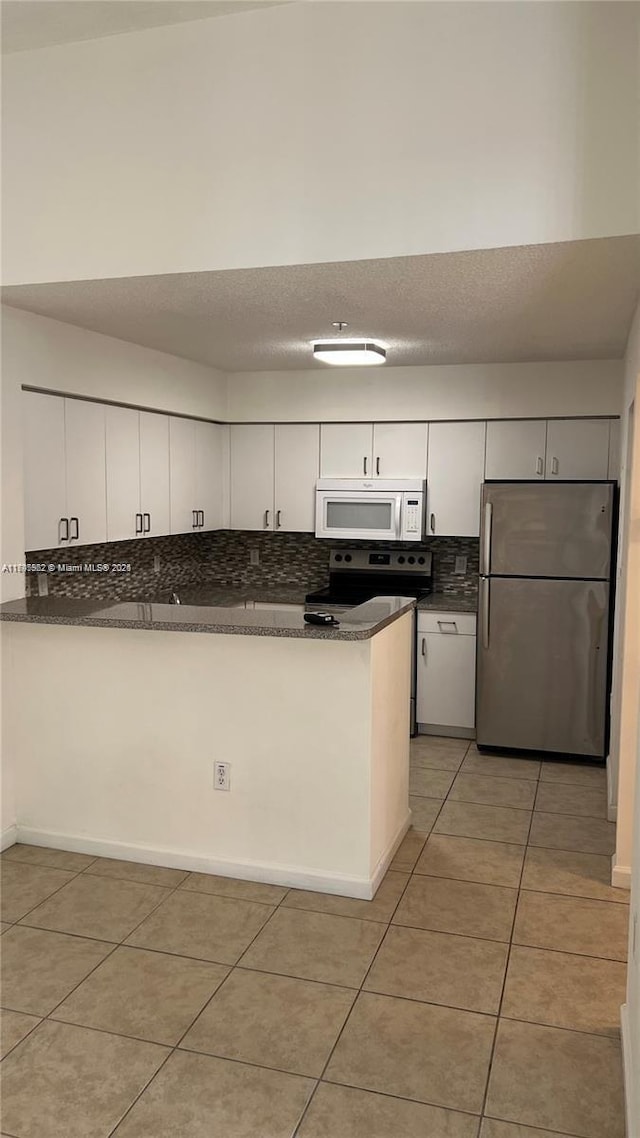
<point x="450" y="623"/>
<point x="76" y="535"/>
<point x="139" y="525"/>
<point x="432" y="522"/>
<point x="194" y="519"/>
<point x="65" y="536"/>
<point x="377" y="465"/>
<point x="364" y="465"/>
<point x="266" y="519"/>
<point x="201" y="519"/>
<point x="484" y="587"/>
<point x="555" y="465"/>
<point x="486" y="538"/>
<point x="147" y="523"/>
<point x="278" y="516"/>
<point x="539" y="465"/>
<point x="423" y="648"/>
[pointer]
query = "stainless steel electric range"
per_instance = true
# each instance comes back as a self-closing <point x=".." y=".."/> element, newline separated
<point x="357" y="575"/>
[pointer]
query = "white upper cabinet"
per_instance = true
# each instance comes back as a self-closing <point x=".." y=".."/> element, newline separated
<point x="65" y="480"/>
<point x="252" y="472"/>
<point x="455" y="473"/>
<point x="84" y="428"/>
<point x="182" y="466"/>
<point x="399" y="450"/>
<point x="210" y="474"/>
<point x="45" y="494"/>
<point x="273" y="476"/>
<point x="297" y="448"/>
<point x="346" y="450"/>
<point x="155" y="498"/>
<point x="124" y="519"/>
<point x="373" y="450"/>
<point x="515" y="449"/>
<point x="577" y="448"/>
<point x="197" y="474"/>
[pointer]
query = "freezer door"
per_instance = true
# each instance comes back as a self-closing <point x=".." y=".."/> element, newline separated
<point x="539" y="529"/>
<point x="542" y="665"/>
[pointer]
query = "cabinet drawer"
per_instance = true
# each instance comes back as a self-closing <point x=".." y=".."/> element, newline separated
<point x="447" y="623"/>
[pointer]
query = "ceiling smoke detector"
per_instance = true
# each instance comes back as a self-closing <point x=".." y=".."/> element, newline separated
<point x="349" y="353"/>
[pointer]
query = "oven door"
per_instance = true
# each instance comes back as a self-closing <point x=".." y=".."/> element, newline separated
<point x="369" y="516"/>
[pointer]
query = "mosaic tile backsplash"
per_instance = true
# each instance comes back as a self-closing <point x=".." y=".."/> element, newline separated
<point x="222" y="557"/>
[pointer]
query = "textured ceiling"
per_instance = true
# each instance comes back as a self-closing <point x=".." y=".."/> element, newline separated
<point x="28" y="24"/>
<point x="567" y="301"/>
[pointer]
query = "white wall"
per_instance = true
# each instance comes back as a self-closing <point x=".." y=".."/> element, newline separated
<point x="130" y="772"/>
<point x="321" y="131"/>
<point x="626" y="674"/>
<point x="467" y="391"/>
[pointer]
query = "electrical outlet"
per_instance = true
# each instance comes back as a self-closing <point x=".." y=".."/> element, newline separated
<point x="222" y="776"/>
<point x="254" y="556"/>
<point x="156" y="563"/>
<point x="461" y="564"/>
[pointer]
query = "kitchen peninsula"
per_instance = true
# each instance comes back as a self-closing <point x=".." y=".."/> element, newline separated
<point x="114" y="716"/>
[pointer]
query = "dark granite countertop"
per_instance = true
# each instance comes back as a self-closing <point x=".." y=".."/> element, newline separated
<point x="448" y="602"/>
<point x="360" y="623"/>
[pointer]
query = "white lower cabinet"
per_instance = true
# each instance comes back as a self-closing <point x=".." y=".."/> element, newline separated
<point x="446" y="672"/>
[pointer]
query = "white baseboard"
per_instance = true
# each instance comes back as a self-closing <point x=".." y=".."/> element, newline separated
<point x="388" y="856"/>
<point x="628" y="1069"/>
<point x="612" y="802"/>
<point x="361" y="887"/>
<point x="8" y="837"/>
<point x="620" y="875"/>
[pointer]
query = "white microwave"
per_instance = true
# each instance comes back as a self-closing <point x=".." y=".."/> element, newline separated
<point x="357" y="509"/>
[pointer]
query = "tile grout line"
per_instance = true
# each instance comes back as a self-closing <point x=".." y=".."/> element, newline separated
<point x="363" y="982"/>
<point x="173" y="1049"/>
<point x="507" y="962"/>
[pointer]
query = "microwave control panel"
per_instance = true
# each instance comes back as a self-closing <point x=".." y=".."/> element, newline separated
<point x="412" y="518"/>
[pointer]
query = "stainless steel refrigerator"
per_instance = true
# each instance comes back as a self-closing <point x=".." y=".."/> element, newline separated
<point x="544" y="616"/>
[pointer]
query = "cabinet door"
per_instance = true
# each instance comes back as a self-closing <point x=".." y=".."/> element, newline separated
<point x="182" y="474"/>
<point x="252" y="468"/>
<point x="400" y="450"/>
<point x="297" y="451"/>
<point x="155" y="497"/>
<point x="123" y="473"/>
<point x="346" y="450"/>
<point x="446" y="680"/>
<point x="85" y="451"/>
<point x="515" y="449"/>
<point x="44" y="470"/>
<point x="455" y="473"/>
<point x="577" y="448"/>
<point x="210" y="481"/>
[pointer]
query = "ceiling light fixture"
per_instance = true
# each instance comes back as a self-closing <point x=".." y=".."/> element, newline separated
<point x="349" y="353"/>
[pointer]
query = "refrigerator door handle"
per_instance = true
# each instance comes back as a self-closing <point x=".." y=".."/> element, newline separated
<point x="484" y="610"/>
<point x="486" y="539"/>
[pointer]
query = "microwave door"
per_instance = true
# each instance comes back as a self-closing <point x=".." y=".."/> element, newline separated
<point x="372" y="517"/>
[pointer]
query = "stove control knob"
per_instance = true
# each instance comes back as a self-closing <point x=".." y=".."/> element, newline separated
<point x="421" y="561"/>
<point x="348" y="557"/>
<point x="412" y="560"/>
<point x="401" y="560"/>
<point x="338" y="557"/>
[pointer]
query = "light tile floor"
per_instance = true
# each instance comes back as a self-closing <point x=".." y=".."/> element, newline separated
<point x="477" y="996"/>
